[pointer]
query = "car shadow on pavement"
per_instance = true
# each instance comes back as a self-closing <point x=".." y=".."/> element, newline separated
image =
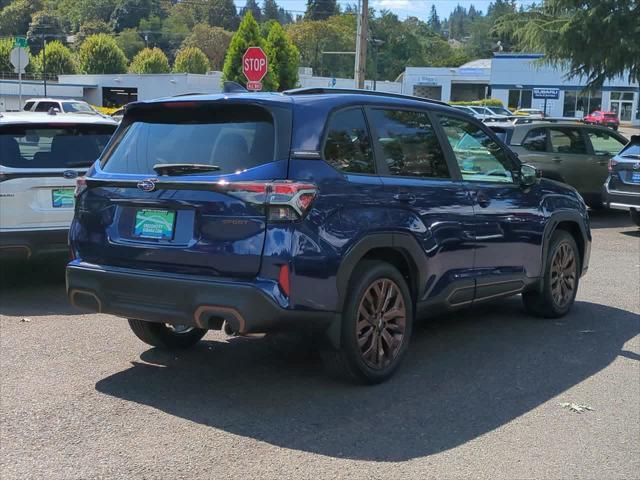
<point x="610" y="218"/>
<point x="35" y="288"/>
<point x="466" y="374"/>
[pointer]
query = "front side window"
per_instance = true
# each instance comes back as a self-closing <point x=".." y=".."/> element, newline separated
<point x="567" y="140"/>
<point x="536" y="140"/>
<point x="409" y="143"/>
<point x="603" y="143"/>
<point x="52" y="146"/>
<point x="479" y="157"/>
<point x="348" y="146"/>
<point x="46" y="106"/>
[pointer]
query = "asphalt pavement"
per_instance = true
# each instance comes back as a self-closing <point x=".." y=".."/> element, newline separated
<point x="480" y="396"/>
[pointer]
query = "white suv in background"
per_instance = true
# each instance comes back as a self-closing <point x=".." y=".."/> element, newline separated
<point x="40" y="157"/>
<point x="62" y="106"/>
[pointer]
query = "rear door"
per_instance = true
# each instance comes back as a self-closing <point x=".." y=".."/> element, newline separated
<point x="210" y="222"/>
<point x="38" y="166"/>
<point x="427" y="201"/>
<point x="568" y="146"/>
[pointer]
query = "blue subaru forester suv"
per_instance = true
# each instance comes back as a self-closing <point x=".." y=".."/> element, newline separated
<point x="342" y="214"/>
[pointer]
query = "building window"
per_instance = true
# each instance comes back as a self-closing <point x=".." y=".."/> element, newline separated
<point x="569" y="108"/>
<point x="520" y="98"/>
<point x="581" y="103"/>
<point x="118" y="96"/>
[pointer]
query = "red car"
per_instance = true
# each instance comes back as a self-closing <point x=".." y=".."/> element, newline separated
<point x="607" y="119"/>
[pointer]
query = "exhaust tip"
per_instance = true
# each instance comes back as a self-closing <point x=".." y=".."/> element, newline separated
<point x="228" y="329"/>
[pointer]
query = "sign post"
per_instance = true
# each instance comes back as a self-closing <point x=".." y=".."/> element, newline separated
<point x="254" y="67"/>
<point x="19" y="58"/>
<point x="546" y="94"/>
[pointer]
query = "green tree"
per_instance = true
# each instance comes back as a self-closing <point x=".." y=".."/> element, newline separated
<point x="270" y="10"/>
<point x="248" y="35"/>
<point x="253" y="7"/>
<point x="312" y="37"/>
<point x="130" y="42"/>
<point x="15" y="18"/>
<point x="149" y="60"/>
<point x="101" y="54"/>
<point x="191" y="60"/>
<point x="599" y="39"/>
<point x="43" y="22"/>
<point x="128" y="13"/>
<point x="283" y="56"/>
<point x="82" y="11"/>
<point x="434" y="20"/>
<point x="217" y="13"/>
<point x="92" y="27"/>
<point x="59" y="60"/>
<point x="321" y="9"/>
<point x="213" y="41"/>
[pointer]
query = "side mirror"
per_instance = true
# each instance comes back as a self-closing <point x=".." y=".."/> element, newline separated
<point x="529" y="175"/>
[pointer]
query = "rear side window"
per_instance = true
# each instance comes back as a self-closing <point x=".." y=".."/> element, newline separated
<point x="535" y="140"/>
<point x="76" y="107"/>
<point x="348" y="146"/>
<point x="51" y="146"/>
<point x="232" y="138"/>
<point x="603" y="143"/>
<point x="28" y="106"/>
<point x="567" y="140"/>
<point x="46" y="106"/>
<point x="410" y="145"/>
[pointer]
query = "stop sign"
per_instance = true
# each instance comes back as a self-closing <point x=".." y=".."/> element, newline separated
<point x="254" y="65"/>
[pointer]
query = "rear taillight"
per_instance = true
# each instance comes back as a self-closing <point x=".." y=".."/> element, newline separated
<point x="612" y="163"/>
<point x="81" y="186"/>
<point x="284" y="201"/>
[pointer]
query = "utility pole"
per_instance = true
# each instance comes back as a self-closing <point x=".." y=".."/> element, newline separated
<point x="44" y="63"/>
<point x="361" y="43"/>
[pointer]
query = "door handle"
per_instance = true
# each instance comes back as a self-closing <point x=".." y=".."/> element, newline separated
<point x="481" y="199"/>
<point x="404" y="197"/>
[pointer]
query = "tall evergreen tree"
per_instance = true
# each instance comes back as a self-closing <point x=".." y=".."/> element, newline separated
<point x="248" y="35"/>
<point x="321" y="9"/>
<point x="253" y="7"/>
<point x="434" y="20"/>
<point x="283" y="57"/>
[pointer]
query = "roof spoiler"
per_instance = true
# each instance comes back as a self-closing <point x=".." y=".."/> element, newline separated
<point x="233" y="87"/>
<point x="635" y="139"/>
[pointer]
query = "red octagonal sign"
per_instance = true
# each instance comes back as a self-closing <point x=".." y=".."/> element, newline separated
<point x="254" y="67"/>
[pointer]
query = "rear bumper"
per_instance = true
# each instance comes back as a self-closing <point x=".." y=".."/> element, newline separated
<point x="184" y="299"/>
<point x="621" y="200"/>
<point x="26" y="244"/>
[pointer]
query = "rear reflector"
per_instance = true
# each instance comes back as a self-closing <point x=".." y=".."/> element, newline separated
<point x="283" y="279"/>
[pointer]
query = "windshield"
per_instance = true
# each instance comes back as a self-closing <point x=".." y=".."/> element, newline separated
<point x="52" y="146"/>
<point x="234" y="139"/>
<point x="76" y="107"/>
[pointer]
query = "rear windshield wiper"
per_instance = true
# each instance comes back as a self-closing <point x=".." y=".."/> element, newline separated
<point x="183" y="168"/>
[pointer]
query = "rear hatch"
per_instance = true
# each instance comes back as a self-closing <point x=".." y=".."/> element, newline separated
<point x="625" y="168"/>
<point x="182" y="189"/>
<point x="38" y="166"/>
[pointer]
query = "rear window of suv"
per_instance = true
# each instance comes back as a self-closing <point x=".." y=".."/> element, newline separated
<point x="52" y="146"/>
<point x="233" y="138"/>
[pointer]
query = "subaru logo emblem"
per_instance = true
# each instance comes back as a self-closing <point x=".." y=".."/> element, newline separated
<point x="147" y="185"/>
<point x="636" y="166"/>
<point x="70" y="174"/>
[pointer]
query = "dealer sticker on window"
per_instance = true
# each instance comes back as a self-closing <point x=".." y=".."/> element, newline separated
<point x="62" y="197"/>
<point x="154" y="224"/>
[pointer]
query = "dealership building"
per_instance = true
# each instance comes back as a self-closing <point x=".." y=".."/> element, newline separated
<point x="516" y="78"/>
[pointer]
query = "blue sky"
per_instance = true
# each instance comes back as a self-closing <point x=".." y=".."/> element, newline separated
<point x="403" y="8"/>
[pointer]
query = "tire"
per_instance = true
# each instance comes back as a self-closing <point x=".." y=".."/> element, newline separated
<point x="556" y="299"/>
<point x="165" y="336"/>
<point x="635" y="216"/>
<point x="372" y="283"/>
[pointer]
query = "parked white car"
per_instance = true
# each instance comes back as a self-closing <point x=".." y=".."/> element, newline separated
<point x="61" y="105"/>
<point x="40" y="157"/>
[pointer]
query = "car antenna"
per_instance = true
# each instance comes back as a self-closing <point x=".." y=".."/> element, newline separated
<point x="233" y="87"/>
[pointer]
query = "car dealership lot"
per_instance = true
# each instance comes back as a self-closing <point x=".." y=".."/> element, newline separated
<point x="479" y="395"/>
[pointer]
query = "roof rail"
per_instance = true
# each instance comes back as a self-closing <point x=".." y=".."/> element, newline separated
<point x="187" y="94"/>
<point x="356" y="91"/>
